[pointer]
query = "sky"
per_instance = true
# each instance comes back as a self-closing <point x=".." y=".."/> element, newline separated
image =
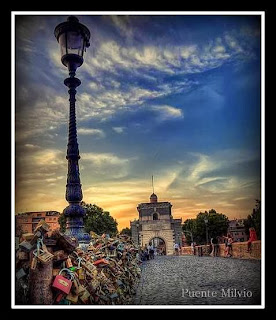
<point x="176" y="97"/>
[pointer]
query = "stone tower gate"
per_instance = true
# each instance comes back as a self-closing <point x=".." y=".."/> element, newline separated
<point x="155" y="220"/>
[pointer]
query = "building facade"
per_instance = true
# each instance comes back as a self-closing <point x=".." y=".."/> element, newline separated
<point x="26" y="222"/>
<point x="237" y="230"/>
<point x="156" y="226"/>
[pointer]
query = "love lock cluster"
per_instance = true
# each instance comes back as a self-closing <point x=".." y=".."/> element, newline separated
<point x="53" y="268"/>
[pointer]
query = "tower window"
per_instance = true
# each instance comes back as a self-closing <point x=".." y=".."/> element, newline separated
<point x="155" y="216"/>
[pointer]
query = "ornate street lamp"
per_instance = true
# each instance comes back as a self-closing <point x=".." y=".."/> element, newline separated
<point x="73" y="38"/>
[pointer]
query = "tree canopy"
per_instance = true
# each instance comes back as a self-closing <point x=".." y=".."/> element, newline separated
<point x="126" y="231"/>
<point x="217" y="225"/>
<point x="96" y="219"/>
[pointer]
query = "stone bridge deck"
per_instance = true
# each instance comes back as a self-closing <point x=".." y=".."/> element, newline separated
<point x="193" y="280"/>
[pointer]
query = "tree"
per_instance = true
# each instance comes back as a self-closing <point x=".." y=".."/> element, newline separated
<point x="189" y="226"/>
<point x="62" y="222"/>
<point x="254" y="219"/>
<point x="126" y="231"/>
<point x="96" y="219"/>
<point x="217" y="225"/>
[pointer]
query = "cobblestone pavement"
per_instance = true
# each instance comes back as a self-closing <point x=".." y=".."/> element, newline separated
<point x="211" y="281"/>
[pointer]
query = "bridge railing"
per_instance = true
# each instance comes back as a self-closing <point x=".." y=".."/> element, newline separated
<point x="239" y="250"/>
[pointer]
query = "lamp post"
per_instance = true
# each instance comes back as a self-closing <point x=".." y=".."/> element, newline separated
<point x="206" y="224"/>
<point x="73" y="38"/>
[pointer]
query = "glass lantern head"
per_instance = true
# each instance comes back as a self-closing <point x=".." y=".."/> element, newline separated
<point x="73" y="38"/>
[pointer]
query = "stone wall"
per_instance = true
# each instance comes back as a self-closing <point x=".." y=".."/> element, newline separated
<point x="134" y="226"/>
<point x="239" y="250"/>
<point x="177" y="228"/>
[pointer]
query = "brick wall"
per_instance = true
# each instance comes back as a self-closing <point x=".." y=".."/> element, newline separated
<point x="239" y="250"/>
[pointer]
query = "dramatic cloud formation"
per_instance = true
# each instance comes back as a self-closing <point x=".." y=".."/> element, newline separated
<point x="173" y="96"/>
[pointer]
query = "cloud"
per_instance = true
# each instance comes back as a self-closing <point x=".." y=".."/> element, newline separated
<point x="119" y="129"/>
<point x="89" y="131"/>
<point x="29" y="145"/>
<point x="47" y="105"/>
<point x="107" y="165"/>
<point x="104" y="158"/>
<point x="167" y="112"/>
<point x="123" y="24"/>
<point x="117" y="74"/>
<point x="219" y="49"/>
<point x="112" y="56"/>
<point x="211" y="175"/>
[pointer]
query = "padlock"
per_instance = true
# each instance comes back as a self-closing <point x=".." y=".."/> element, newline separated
<point x="90" y="248"/>
<point x="120" y="291"/>
<point x="96" y="298"/>
<point x="23" y="285"/>
<point x="81" y="273"/>
<point x="104" y="298"/>
<point x="27" y="236"/>
<point x="81" y="289"/>
<point x="73" y="269"/>
<point x="120" y="247"/>
<point x="89" y="266"/>
<point x="94" y="284"/>
<point x="85" y="297"/>
<point x="42" y="226"/>
<point x="120" y="283"/>
<point x="59" y="297"/>
<point x="60" y="255"/>
<point x="50" y="242"/>
<point x="69" y="263"/>
<point x="80" y="270"/>
<point x="72" y="297"/>
<point x="79" y="251"/>
<point x="114" y="296"/>
<point x="64" y="301"/>
<point x="16" y="243"/>
<point x="26" y="246"/>
<point x="55" y="272"/>
<point x="35" y="237"/>
<point x="101" y="262"/>
<point x="34" y="263"/>
<point x="110" y="288"/>
<point x="20" y="274"/>
<point x="93" y="235"/>
<point x="44" y="257"/>
<point x="61" y="283"/>
<point x="22" y="255"/>
<point x="75" y="287"/>
<point x="67" y="243"/>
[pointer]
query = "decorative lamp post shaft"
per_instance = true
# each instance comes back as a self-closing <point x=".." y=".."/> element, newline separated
<point x="74" y="212"/>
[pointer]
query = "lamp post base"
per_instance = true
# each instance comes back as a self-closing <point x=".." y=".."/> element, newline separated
<point x="79" y="234"/>
<point x="74" y="223"/>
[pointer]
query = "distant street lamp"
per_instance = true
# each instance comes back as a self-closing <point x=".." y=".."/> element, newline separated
<point x="206" y="225"/>
<point x="73" y="38"/>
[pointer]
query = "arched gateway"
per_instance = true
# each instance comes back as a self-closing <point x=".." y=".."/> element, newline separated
<point x="159" y="244"/>
<point x="156" y="225"/>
